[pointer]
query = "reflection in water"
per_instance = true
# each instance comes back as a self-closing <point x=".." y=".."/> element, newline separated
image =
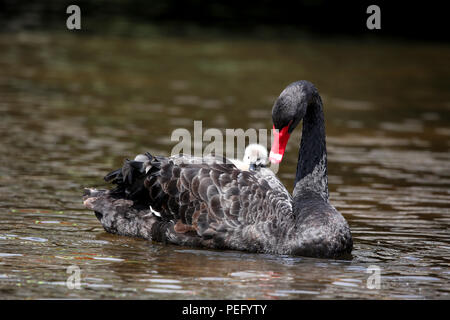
<point x="72" y="108"/>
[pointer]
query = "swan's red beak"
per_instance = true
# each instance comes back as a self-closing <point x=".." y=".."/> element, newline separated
<point x="280" y="140"/>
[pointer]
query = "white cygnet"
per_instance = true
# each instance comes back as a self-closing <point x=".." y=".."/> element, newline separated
<point x="255" y="158"/>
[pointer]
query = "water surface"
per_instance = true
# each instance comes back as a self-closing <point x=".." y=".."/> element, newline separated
<point x="72" y="108"/>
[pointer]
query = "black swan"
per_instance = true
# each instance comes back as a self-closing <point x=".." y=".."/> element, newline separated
<point x="210" y="203"/>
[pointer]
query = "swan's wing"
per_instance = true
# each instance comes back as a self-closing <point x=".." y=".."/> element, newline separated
<point x="206" y="198"/>
<point x="213" y="202"/>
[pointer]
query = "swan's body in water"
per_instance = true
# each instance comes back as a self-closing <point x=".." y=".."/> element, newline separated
<point x="211" y="203"/>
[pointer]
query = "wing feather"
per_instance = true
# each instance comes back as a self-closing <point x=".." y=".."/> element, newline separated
<point x="208" y="203"/>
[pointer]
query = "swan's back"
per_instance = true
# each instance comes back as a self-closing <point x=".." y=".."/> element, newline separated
<point x="186" y="201"/>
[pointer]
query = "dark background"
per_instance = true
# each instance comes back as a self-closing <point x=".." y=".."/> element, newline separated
<point x="424" y="21"/>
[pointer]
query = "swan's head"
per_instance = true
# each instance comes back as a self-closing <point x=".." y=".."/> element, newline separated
<point x="287" y="112"/>
<point x="255" y="156"/>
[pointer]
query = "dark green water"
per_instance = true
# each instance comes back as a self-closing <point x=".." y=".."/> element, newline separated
<point x="72" y="108"/>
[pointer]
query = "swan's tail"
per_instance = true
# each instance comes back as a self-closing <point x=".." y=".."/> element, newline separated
<point x="129" y="179"/>
<point x="119" y="216"/>
<point x="122" y="210"/>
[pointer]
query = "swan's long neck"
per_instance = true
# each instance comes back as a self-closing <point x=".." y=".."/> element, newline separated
<point x="311" y="173"/>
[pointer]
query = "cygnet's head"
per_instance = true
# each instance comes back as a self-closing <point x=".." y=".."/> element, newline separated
<point x="255" y="156"/>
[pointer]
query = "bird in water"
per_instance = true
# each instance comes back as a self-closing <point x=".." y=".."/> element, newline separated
<point x="209" y="202"/>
